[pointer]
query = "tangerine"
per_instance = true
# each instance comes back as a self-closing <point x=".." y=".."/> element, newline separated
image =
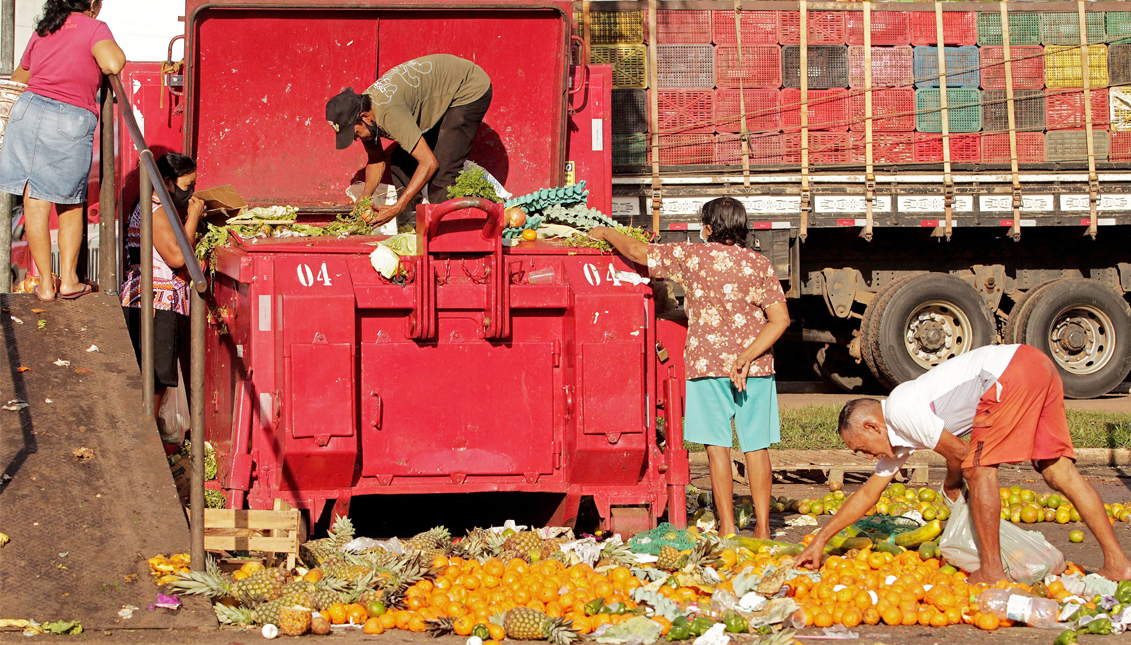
<point x="851" y="618"/>
<point x="497" y="632"/>
<point x="373" y="626"/>
<point x="871" y="616"/>
<point x="388" y="620"/>
<point x="988" y="622"/>
<point x="892" y="616"/>
<point x="823" y="619"/>
<point x="338" y="613"/>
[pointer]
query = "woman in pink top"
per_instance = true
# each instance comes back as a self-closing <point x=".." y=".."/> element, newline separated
<point x="49" y="140"/>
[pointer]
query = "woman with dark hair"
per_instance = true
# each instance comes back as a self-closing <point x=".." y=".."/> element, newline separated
<point x="170" y="278"/>
<point x="736" y="312"/>
<point x="49" y="140"/>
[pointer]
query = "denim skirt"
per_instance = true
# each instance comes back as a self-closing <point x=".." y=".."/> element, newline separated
<point x="48" y="147"/>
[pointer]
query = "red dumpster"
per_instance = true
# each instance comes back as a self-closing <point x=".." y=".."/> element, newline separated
<point x="531" y="368"/>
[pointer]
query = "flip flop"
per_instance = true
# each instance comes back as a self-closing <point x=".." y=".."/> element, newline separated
<point x="78" y="294"/>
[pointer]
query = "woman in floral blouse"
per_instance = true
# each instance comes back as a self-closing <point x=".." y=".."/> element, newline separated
<point x="736" y="312"/>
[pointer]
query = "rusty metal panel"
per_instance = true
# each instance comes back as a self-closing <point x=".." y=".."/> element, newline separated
<point x="260" y="78"/>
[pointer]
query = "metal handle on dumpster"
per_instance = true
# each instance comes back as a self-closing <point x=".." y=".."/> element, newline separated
<point x="496" y="313"/>
<point x="583" y="63"/>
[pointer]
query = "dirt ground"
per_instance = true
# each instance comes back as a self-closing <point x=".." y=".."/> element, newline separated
<point x="803" y="394"/>
<point x="1111" y="486"/>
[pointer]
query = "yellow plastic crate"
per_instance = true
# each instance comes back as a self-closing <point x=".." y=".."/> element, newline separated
<point x="630" y="64"/>
<point x="616" y="28"/>
<point x="1062" y="66"/>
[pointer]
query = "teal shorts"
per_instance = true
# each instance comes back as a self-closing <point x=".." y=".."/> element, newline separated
<point x="713" y="402"/>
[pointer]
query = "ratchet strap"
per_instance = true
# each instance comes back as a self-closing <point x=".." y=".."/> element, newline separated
<point x="744" y="137"/>
<point x="944" y="108"/>
<point x="653" y="118"/>
<point x="1015" y="227"/>
<point x="806" y="193"/>
<point x="1086" y="73"/>
<point x="869" y="170"/>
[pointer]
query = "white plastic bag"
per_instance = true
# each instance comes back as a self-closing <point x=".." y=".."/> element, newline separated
<point x="1026" y="556"/>
<point x="173" y="417"/>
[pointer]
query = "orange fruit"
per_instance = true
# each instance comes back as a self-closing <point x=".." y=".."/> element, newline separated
<point x="338" y="614"/>
<point x="665" y="624"/>
<point x="402" y="619"/>
<point x="463" y="625"/>
<point x="388" y="620"/>
<point x="823" y="619"/>
<point x="529" y="234"/>
<point x="892" y="616"/>
<point x="862" y="600"/>
<point x="373" y="626"/>
<point x="356" y="614"/>
<point x="871" y="616"/>
<point x="497" y="632"/>
<point x="851" y="618"/>
<point x="416" y="624"/>
<point x="315" y="575"/>
<point x="987" y="621"/>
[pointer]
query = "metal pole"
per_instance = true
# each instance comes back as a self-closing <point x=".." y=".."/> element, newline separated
<point x="107" y="199"/>
<point x="146" y="200"/>
<point x="7" y="62"/>
<point x="196" y="391"/>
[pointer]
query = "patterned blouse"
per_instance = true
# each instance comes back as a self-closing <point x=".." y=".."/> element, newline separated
<point x="728" y="289"/>
<point x="170" y="288"/>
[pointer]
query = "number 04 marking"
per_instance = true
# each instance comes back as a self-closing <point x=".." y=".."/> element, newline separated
<point x="306" y="277"/>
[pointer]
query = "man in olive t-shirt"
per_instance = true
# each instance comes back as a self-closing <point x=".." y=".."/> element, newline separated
<point x="431" y="107"/>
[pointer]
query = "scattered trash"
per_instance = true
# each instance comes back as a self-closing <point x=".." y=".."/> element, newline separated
<point x="83" y="371"/>
<point x="83" y="454"/>
<point x="38" y="311"/>
<point x="127" y="612"/>
<point x="716" y="635"/>
<point x="166" y="602"/>
<point x="270" y="631"/>
<point x="23" y="369"/>
<point x="62" y="363"/>
<point x="17" y="320"/>
<point x="41" y="324"/>
<point x="15" y="405"/>
<point x="4" y="539"/>
<point x="63" y="627"/>
<point x="92" y="348"/>
<point x="48" y="401"/>
<point x="801" y="520"/>
<point x="64" y="554"/>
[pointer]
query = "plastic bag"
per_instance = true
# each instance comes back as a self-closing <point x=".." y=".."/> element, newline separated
<point x="1026" y="556"/>
<point x="173" y="417"/>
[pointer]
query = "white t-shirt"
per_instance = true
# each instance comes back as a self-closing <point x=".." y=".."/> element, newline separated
<point x="945" y="398"/>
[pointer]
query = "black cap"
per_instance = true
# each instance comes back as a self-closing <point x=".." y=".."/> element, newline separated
<point x="342" y="112"/>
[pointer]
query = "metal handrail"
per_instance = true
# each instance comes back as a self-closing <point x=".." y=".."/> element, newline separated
<point x="150" y="181"/>
<point x="150" y="166"/>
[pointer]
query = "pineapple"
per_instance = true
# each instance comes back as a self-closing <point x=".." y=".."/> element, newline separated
<point x="507" y="555"/>
<point x="294" y="620"/>
<point x="428" y="540"/>
<point x="483" y="545"/>
<point x="232" y="615"/>
<point x="341" y="532"/>
<point x="299" y="592"/>
<point x="669" y="558"/>
<point x="525" y="624"/>
<point x="441" y="626"/>
<point x="523" y="542"/>
<point x="347" y="570"/>
<point x="705" y="554"/>
<point x="267" y="613"/>
<point x="261" y="586"/>
<point x="325" y="597"/>
<point x="618" y="553"/>
<point x="211" y="582"/>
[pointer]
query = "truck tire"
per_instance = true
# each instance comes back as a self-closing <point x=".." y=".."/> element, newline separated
<point x="872" y="315"/>
<point x="1012" y="333"/>
<point x="1085" y="327"/>
<point x="920" y="323"/>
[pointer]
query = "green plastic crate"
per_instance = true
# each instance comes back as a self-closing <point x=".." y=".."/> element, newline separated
<point x="1024" y="28"/>
<point x="963" y="108"/>
<point x="1118" y="26"/>
<point x="630" y="149"/>
<point x="1063" y="28"/>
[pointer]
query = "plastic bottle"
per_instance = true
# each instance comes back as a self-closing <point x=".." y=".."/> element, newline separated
<point x="1035" y="612"/>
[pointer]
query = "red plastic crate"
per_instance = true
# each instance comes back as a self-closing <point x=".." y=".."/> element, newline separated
<point x="893" y="110"/>
<point x="959" y="28"/>
<point x="760" y="68"/>
<point x="1120" y="148"/>
<point x="690" y="27"/>
<point x="1064" y="109"/>
<point x="888" y="28"/>
<point x="964" y="148"/>
<point x="758" y="27"/>
<point x="828" y="109"/>
<point x="825" y="28"/>
<point x="686" y="110"/>
<point x="1030" y="147"/>
<point x="887" y="147"/>
<point x="763" y="110"/>
<point x="891" y="66"/>
<point x="686" y="149"/>
<point x="1028" y="62"/>
<point x="764" y="150"/>
<point x="825" y="148"/>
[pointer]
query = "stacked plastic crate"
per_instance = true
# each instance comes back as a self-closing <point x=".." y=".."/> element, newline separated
<point x="709" y="88"/>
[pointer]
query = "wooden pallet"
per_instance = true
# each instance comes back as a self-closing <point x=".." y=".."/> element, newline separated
<point x="833" y="464"/>
<point x="277" y="531"/>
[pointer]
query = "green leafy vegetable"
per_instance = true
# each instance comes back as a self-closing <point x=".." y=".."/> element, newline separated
<point x="473" y="183"/>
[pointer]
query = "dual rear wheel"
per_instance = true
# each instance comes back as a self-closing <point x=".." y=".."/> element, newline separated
<point x="918" y="322"/>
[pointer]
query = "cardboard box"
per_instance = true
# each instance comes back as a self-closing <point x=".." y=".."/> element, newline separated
<point x="222" y="200"/>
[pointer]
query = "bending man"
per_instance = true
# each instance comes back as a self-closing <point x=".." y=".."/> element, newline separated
<point x="1010" y="400"/>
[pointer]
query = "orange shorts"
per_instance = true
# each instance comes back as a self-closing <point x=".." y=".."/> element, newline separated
<point x="1021" y="417"/>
